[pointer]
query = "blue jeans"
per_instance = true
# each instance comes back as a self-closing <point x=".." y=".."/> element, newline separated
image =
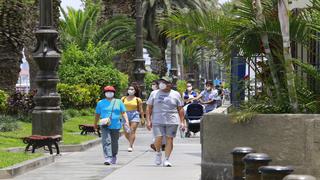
<point x="110" y="143"/>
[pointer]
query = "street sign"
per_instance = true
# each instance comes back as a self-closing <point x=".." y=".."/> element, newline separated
<point x="299" y="4"/>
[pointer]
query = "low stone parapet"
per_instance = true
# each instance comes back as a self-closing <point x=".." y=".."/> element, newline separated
<point x="290" y="139"/>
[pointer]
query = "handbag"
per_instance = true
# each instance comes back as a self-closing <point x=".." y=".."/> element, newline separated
<point x="107" y="121"/>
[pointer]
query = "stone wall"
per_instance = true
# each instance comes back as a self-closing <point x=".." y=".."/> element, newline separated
<point x="289" y="139"/>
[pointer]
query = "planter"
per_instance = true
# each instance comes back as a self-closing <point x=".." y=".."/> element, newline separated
<point x="290" y="139"/>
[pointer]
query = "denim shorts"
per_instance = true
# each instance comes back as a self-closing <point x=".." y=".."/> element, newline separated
<point x="168" y="130"/>
<point x="133" y="116"/>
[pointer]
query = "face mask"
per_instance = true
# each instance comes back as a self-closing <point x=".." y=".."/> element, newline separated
<point x="189" y="88"/>
<point x="131" y="92"/>
<point x="109" y="94"/>
<point x="208" y="88"/>
<point x="162" y="86"/>
<point x="154" y="87"/>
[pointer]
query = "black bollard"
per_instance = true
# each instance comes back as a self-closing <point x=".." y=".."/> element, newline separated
<point x="274" y="172"/>
<point x="252" y="163"/>
<point x="238" y="166"/>
<point x="299" y="177"/>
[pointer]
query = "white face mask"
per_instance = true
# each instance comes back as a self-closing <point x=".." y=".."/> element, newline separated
<point x="162" y="86"/>
<point x="189" y="88"/>
<point x="208" y="88"/>
<point x="109" y="94"/>
<point x="131" y="92"/>
<point x="154" y="87"/>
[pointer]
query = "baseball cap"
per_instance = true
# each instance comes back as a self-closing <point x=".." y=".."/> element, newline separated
<point x="109" y="88"/>
<point x="167" y="79"/>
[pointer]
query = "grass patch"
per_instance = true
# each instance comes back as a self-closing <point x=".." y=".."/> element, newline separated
<point x="71" y="133"/>
<point x="9" y="158"/>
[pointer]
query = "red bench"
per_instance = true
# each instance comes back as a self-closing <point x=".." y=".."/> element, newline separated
<point x="85" y="128"/>
<point x="38" y="141"/>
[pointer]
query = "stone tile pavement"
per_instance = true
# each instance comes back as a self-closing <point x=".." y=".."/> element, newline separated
<point x="137" y="165"/>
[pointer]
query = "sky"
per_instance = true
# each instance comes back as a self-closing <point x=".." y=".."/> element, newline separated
<point x="73" y="3"/>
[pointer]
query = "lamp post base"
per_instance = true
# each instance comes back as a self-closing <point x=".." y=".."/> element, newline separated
<point x="47" y="122"/>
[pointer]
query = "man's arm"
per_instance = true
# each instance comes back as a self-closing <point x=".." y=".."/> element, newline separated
<point x="181" y="116"/>
<point x="97" y="117"/>
<point x="148" y="116"/>
<point x="209" y="102"/>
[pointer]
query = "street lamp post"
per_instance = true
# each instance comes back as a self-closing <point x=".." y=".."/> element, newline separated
<point x="174" y="66"/>
<point x="47" y="115"/>
<point x="139" y="63"/>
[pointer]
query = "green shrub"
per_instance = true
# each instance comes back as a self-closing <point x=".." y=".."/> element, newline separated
<point x="181" y="85"/>
<point x="87" y="112"/>
<point x="94" y="65"/>
<point x="78" y="96"/>
<point x="71" y="113"/>
<point x="3" y="101"/>
<point x="8" y="123"/>
<point x="101" y="76"/>
<point x="148" y="81"/>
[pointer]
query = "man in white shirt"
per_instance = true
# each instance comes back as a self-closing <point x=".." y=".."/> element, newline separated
<point x="165" y="106"/>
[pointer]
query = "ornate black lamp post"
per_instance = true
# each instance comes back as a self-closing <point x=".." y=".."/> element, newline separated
<point x="139" y="63"/>
<point x="174" y="64"/>
<point x="47" y="115"/>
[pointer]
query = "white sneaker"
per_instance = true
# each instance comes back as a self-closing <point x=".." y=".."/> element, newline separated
<point x="158" y="159"/>
<point x="130" y="149"/>
<point x="166" y="163"/>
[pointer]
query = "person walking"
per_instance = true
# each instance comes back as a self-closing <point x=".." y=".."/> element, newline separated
<point x="133" y="104"/>
<point x="209" y="97"/>
<point x="189" y="95"/>
<point x="164" y="114"/>
<point x="108" y="112"/>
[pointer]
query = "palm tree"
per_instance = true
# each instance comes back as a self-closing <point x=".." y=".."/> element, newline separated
<point x="245" y="29"/>
<point x="12" y="23"/>
<point x="81" y="26"/>
<point x="153" y="10"/>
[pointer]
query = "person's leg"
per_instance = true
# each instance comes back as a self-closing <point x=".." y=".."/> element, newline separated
<point x="171" y="132"/>
<point x="164" y="141"/>
<point x="132" y="137"/>
<point x="106" y="144"/>
<point x="169" y="147"/>
<point x="158" y="132"/>
<point x="114" y="141"/>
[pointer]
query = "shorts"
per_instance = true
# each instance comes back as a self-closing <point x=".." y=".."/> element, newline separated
<point x="168" y="130"/>
<point x="133" y="116"/>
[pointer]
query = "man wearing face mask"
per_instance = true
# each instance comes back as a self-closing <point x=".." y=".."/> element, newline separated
<point x="164" y="114"/>
<point x="110" y="108"/>
<point x="208" y="97"/>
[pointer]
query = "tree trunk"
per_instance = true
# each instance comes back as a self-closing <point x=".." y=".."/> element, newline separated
<point x="12" y="19"/>
<point x="10" y="60"/>
<point x="285" y="30"/>
<point x="265" y="40"/>
<point x="111" y="8"/>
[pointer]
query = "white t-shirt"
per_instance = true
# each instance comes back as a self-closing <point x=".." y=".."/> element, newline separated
<point x="165" y="106"/>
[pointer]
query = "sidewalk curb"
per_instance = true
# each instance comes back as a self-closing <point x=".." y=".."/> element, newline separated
<point x="65" y="148"/>
<point x="80" y="147"/>
<point x="21" y="168"/>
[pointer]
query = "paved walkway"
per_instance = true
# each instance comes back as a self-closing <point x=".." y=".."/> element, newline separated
<point x="137" y="165"/>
